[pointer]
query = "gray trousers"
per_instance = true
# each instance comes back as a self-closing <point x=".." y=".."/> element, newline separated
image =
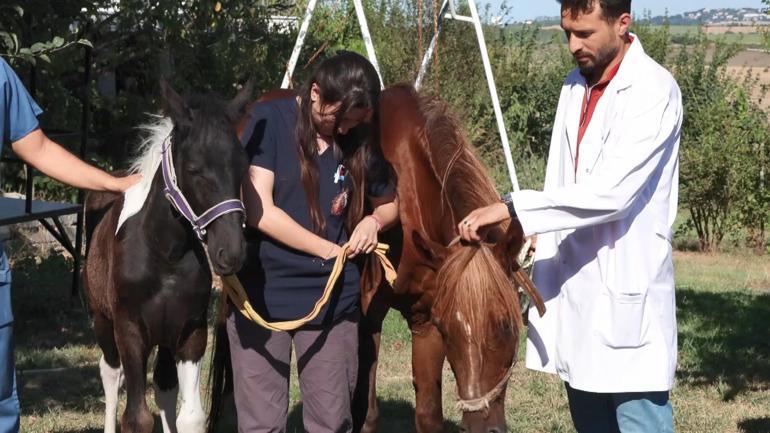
<point x="327" y="363"/>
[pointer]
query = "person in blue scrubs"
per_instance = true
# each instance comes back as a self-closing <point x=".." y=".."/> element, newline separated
<point x="19" y="126"/>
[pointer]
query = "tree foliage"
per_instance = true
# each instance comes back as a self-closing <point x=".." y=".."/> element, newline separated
<point x="213" y="46"/>
<point x="12" y="27"/>
<point x="724" y="146"/>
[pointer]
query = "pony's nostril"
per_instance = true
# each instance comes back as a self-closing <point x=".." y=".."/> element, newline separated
<point x="495" y="430"/>
<point x="224" y="258"/>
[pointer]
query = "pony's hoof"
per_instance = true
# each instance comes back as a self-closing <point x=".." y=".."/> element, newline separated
<point x="370" y="426"/>
<point x="191" y="422"/>
<point x="143" y="422"/>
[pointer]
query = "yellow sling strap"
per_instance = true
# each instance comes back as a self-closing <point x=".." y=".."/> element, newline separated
<point x="233" y="289"/>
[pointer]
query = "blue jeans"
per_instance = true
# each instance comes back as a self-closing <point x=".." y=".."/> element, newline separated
<point x="9" y="401"/>
<point x="628" y="412"/>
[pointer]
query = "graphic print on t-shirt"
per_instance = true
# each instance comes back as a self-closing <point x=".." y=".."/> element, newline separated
<point x="340" y="201"/>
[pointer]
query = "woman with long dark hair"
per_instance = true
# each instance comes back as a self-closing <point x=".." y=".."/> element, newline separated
<point x="317" y="181"/>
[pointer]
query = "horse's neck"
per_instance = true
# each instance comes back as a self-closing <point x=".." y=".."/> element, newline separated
<point x="418" y="177"/>
<point x="161" y="227"/>
<point x="426" y="208"/>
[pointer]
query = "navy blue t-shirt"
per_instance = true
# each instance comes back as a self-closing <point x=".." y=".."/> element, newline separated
<point x="284" y="283"/>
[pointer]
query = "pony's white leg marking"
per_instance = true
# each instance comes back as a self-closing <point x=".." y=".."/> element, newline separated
<point x="166" y="401"/>
<point x="112" y="380"/>
<point x="191" y="417"/>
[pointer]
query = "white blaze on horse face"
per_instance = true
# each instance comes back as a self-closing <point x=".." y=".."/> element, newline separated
<point x="112" y="380"/>
<point x="466" y="326"/>
<point x="166" y="401"/>
<point x="191" y="417"/>
<point x="474" y="361"/>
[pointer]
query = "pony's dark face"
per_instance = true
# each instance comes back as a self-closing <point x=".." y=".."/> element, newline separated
<point x="210" y="163"/>
<point x="476" y="310"/>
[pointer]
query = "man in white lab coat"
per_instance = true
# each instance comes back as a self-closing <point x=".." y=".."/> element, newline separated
<point x="603" y="262"/>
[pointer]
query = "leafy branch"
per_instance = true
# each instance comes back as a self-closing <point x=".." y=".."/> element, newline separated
<point x="13" y="49"/>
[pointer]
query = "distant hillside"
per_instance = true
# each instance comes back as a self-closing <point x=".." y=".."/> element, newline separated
<point x="729" y="16"/>
<point x="725" y="16"/>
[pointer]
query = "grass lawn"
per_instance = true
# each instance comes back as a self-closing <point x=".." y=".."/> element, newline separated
<point x="723" y="380"/>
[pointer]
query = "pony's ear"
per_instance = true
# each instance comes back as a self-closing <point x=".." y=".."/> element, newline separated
<point x="432" y="252"/>
<point x="236" y="105"/>
<point x="506" y="250"/>
<point x="174" y="105"/>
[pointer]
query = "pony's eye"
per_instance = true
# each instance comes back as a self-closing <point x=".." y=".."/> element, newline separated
<point x="193" y="169"/>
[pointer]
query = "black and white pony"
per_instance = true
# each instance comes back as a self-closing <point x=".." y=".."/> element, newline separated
<point x="147" y="276"/>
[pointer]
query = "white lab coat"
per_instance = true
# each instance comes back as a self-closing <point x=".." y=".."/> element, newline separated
<point x="603" y="262"/>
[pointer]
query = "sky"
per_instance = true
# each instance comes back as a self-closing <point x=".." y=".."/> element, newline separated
<point x="530" y="9"/>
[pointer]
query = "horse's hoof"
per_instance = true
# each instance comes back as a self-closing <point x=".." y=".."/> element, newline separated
<point x="369" y="427"/>
<point x="191" y="422"/>
<point x="143" y="422"/>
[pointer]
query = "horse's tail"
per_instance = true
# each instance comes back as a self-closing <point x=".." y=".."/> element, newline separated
<point x="221" y="372"/>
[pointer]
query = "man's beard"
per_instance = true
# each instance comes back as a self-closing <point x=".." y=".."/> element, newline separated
<point x="594" y="69"/>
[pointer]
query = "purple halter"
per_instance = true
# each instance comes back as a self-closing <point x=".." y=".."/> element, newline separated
<point x="175" y="196"/>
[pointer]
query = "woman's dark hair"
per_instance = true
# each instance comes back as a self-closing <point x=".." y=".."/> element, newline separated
<point x="347" y="78"/>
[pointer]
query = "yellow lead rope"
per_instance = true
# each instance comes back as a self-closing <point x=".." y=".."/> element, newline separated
<point x="233" y="289"/>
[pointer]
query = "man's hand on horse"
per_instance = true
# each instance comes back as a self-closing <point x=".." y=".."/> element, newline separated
<point x="472" y="227"/>
<point x="364" y="237"/>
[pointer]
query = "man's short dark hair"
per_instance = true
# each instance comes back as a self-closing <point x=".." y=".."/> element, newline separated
<point x="611" y="9"/>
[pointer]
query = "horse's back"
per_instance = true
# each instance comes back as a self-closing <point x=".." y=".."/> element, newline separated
<point x="272" y="95"/>
<point x="98" y="204"/>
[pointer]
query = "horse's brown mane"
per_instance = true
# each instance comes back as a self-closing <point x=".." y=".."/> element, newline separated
<point x="473" y="284"/>
<point x="465" y="184"/>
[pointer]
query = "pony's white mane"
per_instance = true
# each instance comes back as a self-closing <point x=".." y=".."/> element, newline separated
<point x="147" y="161"/>
<point x="146" y="164"/>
